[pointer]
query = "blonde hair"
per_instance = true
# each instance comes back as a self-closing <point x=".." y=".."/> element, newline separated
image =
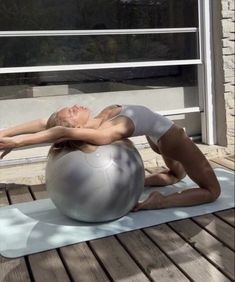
<point x="54" y="120"/>
<point x="56" y="148"/>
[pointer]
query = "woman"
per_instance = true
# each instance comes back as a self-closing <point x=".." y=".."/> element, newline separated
<point x="116" y="122"/>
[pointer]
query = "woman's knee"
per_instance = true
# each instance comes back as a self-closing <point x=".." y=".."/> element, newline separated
<point x="207" y="179"/>
<point x="215" y="192"/>
<point x="176" y="175"/>
<point x="180" y="172"/>
<point x="176" y="169"/>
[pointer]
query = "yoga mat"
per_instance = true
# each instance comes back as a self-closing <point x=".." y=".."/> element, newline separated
<point x="37" y="226"/>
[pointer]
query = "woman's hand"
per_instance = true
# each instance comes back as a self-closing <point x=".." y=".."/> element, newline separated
<point x="7" y="144"/>
<point x="47" y="136"/>
<point x="154" y="201"/>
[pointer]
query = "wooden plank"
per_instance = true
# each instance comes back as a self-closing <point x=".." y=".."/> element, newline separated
<point x="231" y="158"/>
<point x="215" y="165"/>
<point x="79" y="260"/>
<point x="117" y="261"/>
<point x="184" y="255"/>
<point x="218" y="228"/>
<point x="47" y="266"/>
<point x="39" y="191"/>
<point x="3" y="198"/>
<point x="147" y="172"/>
<point x="12" y="269"/>
<point x="206" y="244"/>
<point x="39" y="262"/>
<point x="19" y="193"/>
<point x="154" y="262"/>
<point x="227" y="215"/>
<point x="225" y="162"/>
<point x="82" y="264"/>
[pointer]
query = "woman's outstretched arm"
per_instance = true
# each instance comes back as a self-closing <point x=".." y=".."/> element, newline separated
<point x="59" y="133"/>
<point x="24" y="128"/>
<point x="44" y="136"/>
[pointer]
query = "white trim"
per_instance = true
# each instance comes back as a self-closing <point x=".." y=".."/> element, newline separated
<point x="201" y="98"/>
<point x="34" y="33"/>
<point x="200" y="29"/>
<point x="99" y="66"/>
<point x="201" y="73"/>
<point x="180" y="111"/>
<point x="22" y="161"/>
<point x="208" y="119"/>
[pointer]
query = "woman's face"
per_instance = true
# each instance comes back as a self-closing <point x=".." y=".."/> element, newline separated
<point x="75" y="116"/>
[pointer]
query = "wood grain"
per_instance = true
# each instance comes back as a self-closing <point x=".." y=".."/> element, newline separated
<point x="154" y="262"/>
<point x="117" y="261"/>
<point x="184" y="255"/>
<point x="227" y="215"/>
<point x="218" y="228"/>
<point x="45" y="266"/>
<point x="82" y="264"/>
<point x="207" y="245"/>
<point x="12" y="269"/>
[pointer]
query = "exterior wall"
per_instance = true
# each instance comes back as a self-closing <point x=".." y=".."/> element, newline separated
<point x="223" y="50"/>
<point x="228" y="52"/>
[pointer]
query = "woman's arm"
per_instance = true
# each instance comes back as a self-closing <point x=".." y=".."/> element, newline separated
<point x="45" y="136"/>
<point x="28" y="127"/>
<point x="94" y="136"/>
<point x="59" y="133"/>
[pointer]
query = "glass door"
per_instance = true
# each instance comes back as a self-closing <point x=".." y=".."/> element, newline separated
<point x="116" y="51"/>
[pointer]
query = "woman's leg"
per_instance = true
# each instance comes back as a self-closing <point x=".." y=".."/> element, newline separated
<point x="177" y="146"/>
<point x="197" y="167"/>
<point x="173" y="174"/>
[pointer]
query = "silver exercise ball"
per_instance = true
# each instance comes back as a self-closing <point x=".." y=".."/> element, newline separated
<point x="99" y="186"/>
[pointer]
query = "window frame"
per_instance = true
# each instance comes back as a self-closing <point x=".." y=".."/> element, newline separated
<point x="58" y="33"/>
<point x="205" y="73"/>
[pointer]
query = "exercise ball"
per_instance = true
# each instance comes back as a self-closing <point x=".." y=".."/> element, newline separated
<point x="98" y="186"/>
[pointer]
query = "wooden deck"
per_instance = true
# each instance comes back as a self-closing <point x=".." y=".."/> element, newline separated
<point x="196" y="249"/>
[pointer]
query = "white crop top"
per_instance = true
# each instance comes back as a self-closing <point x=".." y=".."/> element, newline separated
<point x="146" y="122"/>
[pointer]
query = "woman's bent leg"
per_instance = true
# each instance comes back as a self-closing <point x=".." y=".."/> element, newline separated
<point x="172" y="175"/>
<point x="175" y="145"/>
<point x="196" y="166"/>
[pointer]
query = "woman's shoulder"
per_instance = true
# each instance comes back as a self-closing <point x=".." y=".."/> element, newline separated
<point x="109" y="112"/>
<point x="111" y="107"/>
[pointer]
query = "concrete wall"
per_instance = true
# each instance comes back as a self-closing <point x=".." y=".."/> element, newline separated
<point x="223" y="49"/>
<point x="228" y="52"/>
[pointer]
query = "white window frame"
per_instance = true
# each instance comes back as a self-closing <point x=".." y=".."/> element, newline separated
<point x="205" y="73"/>
<point x="46" y="33"/>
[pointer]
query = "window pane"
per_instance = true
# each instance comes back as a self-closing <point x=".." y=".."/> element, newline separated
<point x="16" y="52"/>
<point x="146" y="82"/>
<point x="99" y="14"/>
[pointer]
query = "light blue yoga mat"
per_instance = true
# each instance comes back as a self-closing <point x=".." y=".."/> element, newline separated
<point x="37" y="226"/>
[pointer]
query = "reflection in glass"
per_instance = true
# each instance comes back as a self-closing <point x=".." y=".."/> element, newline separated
<point x="84" y="14"/>
<point x="39" y="51"/>
<point x="13" y="86"/>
